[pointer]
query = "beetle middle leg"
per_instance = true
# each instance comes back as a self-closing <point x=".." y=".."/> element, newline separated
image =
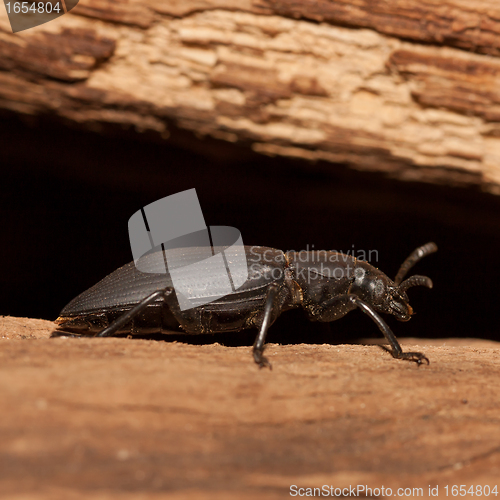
<point x="258" y="346"/>
<point x="396" y="351"/>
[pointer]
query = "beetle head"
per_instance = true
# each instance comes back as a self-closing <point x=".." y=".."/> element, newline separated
<point x="375" y="288"/>
<point x="397" y="304"/>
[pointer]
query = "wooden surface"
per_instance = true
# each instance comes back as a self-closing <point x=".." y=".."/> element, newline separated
<point x="125" y="418"/>
<point x="406" y="88"/>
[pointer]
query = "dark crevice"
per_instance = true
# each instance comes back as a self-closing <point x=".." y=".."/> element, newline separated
<point x="66" y="197"/>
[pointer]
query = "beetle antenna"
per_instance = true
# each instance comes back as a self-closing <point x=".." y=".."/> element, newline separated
<point x="415" y="281"/>
<point x="412" y="259"/>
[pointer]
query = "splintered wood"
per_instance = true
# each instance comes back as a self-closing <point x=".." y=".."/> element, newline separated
<point x="404" y="88"/>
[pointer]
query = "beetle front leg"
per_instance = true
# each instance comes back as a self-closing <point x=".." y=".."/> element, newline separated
<point x="396" y="351"/>
<point x="258" y="346"/>
<point x="166" y="294"/>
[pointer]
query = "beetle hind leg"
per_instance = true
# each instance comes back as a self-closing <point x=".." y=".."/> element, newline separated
<point x="166" y="294"/>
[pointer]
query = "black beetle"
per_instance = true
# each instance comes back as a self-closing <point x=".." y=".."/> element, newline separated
<point x="326" y="284"/>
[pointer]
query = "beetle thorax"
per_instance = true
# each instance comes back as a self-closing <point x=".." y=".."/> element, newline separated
<point x="320" y="276"/>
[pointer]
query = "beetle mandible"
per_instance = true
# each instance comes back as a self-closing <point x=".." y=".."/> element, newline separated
<point x="327" y="285"/>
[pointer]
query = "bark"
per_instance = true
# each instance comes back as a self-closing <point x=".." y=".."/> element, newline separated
<point x="404" y="87"/>
<point x="132" y="418"/>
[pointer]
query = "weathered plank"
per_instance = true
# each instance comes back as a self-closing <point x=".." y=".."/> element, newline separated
<point x="402" y="88"/>
<point x="128" y="418"/>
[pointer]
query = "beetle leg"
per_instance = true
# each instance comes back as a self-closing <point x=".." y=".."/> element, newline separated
<point x="129" y="315"/>
<point x="396" y="351"/>
<point x="258" y="346"/>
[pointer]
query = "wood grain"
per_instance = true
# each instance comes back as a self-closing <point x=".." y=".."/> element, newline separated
<point x="128" y="418"/>
<point x="399" y="87"/>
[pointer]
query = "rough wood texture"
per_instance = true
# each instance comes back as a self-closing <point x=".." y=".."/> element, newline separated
<point x="127" y="418"/>
<point x="408" y="88"/>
